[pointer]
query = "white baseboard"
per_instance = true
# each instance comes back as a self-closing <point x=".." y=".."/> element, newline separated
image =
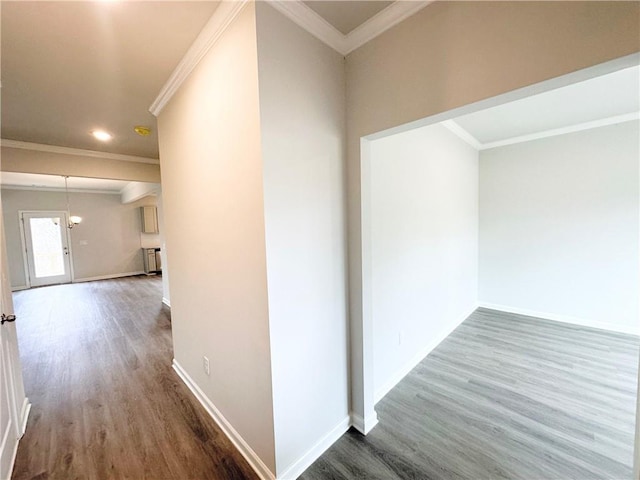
<point x="411" y="364"/>
<point x="21" y="287"/>
<point x="582" y="322"/>
<point x="166" y="302"/>
<point x="304" y="462"/>
<point x="243" y="447"/>
<point x="24" y="415"/>
<point x="107" y="277"/>
<point x="364" y="425"/>
<point x="12" y="462"/>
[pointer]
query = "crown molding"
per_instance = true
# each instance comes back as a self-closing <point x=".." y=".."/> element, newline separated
<point x="381" y="22"/>
<point x="317" y="26"/>
<point x="40" y="147"/>
<point x="300" y="14"/>
<point x="222" y="17"/>
<point x="603" y="122"/>
<point x="313" y="23"/>
<point x="465" y="136"/>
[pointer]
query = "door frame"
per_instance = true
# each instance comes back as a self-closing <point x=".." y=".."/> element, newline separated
<point x="11" y="375"/>
<point x="23" y="241"/>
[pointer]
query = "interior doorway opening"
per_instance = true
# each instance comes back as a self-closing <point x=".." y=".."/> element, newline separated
<point x="372" y="388"/>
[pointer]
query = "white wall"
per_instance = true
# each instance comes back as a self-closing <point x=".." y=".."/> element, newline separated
<point x="559" y="227"/>
<point x="106" y="243"/>
<point x="302" y="113"/>
<point x="424" y="237"/>
<point x="212" y="190"/>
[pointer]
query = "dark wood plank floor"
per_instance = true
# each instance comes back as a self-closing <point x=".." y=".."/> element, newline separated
<point x="503" y="397"/>
<point x="106" y="403"/>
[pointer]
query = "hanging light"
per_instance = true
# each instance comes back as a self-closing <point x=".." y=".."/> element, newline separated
<point x="73" y="219"/>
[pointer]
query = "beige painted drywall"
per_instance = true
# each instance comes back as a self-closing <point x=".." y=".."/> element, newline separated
<point x="32" y="161"/>
<point x="451" y="54"/>
<point x="107" y="242"/>
<point x="214" y="215"/>
<point x="302" y="100"/>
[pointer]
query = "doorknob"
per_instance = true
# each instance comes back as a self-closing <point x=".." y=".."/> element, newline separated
<point x="7" y="318"/>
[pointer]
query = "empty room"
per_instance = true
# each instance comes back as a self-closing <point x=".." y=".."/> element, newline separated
<point x="504" y="249"/>
<point x="398" y="239"/>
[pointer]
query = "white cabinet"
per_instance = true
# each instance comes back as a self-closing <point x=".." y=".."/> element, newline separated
<point x="152" y="262"/>
<point x="149" y="218"/>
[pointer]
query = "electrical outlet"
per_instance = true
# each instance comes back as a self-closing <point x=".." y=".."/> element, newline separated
<point x="400" y="335"/>
<point x="205" y="365"/>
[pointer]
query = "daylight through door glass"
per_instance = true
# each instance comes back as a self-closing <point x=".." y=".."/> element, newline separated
<point x="46" y="239"/>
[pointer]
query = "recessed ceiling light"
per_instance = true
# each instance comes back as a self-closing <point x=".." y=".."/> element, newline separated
<point x="102" y="135"/>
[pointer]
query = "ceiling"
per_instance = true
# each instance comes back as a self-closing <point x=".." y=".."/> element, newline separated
<point x="56" y="182"/>
<point x="345" y="16"/>
<point x="606" y="99"/>
<point x="71" y="67"/>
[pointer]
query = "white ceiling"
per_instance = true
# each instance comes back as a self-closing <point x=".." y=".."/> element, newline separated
<point x="56" y="182"/>
<point x="610" y="96"/>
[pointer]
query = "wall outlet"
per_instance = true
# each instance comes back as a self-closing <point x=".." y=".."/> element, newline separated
<point x="205" y="365"/>
<point x="400" y="335"/>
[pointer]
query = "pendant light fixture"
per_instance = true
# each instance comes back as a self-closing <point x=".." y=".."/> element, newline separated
<point x="73" y="219"/>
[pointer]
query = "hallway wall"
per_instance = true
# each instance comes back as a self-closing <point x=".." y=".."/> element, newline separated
<point x="302" y="119"/>
<point x="212" y="190"/>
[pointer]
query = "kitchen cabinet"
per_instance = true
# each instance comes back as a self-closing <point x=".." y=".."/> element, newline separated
<point x="149" y="219"/>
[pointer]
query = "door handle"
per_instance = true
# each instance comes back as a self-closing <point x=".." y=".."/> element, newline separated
<point x="7" y="318"/>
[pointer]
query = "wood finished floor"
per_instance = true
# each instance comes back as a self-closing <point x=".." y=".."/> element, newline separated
<point x="106" y="402"/>
<point x="503" y="397"/>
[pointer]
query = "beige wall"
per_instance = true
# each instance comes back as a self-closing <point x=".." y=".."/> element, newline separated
<point x="31" y="161"/>
<point x="214" y="215"/>
<point x="107" y="242"/>
<point x="451" y="54"/>
<point x="302" y="100"/>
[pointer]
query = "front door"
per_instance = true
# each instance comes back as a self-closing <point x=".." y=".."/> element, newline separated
<point x="47" y="247"/>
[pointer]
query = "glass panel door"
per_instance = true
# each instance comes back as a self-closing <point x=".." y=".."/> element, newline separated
<point x="46" y="247"/>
